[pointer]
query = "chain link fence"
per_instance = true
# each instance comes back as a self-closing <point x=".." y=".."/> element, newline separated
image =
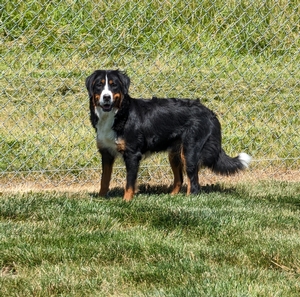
<point x="241" y="58"/>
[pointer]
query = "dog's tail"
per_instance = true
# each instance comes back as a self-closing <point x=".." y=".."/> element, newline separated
<point x="226" y="165"/>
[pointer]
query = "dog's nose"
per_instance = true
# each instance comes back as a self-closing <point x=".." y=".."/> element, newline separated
<point x="106" y="98"/>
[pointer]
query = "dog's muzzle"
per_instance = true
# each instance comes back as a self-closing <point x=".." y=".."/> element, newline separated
<point x="106" y="102"/>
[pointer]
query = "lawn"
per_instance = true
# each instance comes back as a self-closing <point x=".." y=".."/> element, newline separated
<point x="226" y="241"/>
<point x="241" y="58"/>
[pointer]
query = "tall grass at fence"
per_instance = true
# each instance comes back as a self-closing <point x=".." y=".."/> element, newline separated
<point x="146" y="26"/>
<point x="237" y="56"/>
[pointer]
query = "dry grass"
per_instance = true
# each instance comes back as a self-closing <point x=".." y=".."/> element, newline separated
<point x="35" y="184"/>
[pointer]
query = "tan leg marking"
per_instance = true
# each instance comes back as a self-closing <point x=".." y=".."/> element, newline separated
<point x="128" y="195"/>
<point x="105" y="179"/>
<point x="176" y="172"/>
<point x="188" y="190"/>
<point x="121" y="144"/>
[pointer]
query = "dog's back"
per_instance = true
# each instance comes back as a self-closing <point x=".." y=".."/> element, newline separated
<point x="155" y="124"/>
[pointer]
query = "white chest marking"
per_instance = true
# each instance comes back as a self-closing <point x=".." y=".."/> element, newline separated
<point x="106" y="137"/>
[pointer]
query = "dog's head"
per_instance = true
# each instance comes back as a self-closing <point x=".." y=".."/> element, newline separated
<point x="107" y="89"/>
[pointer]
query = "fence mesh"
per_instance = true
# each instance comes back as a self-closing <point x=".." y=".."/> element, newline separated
<point x="241" y="58"/>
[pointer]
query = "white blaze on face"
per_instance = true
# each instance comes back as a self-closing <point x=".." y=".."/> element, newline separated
<point x="106" y="95"/>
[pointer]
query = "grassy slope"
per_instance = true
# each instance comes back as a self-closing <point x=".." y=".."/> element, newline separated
<point x="240" y="58"/>
<point x="224" y="242"/>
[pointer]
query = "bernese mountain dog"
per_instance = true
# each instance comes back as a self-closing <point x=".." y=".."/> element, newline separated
<point x="131" y="128"/>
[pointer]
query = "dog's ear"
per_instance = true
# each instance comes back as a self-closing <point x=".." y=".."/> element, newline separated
<point x="89" y="83"/>
<point x="125" y="80"/>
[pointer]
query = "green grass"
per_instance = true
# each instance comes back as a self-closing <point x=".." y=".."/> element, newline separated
<point x="241" y="241"/>
<point x="239" y="57"/>
<point x="142" y="27"/>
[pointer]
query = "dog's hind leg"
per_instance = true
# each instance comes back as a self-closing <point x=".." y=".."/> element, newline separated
<point x="190" y="158"/>
<point x="193" y="186"/>
<point x="176" y="166"/>
<point x="107" y="165"/>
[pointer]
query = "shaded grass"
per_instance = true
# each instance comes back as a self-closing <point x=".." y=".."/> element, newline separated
<point x="224" y="242"/>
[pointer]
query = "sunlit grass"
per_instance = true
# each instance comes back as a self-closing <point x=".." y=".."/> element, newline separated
<point x="223" y="242"/>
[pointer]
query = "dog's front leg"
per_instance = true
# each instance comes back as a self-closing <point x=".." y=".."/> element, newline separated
<point x="107" y="165"/>
<point x="132" y="162"/>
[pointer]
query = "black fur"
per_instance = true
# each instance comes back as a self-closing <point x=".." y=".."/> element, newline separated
<point x="188" y="130"/>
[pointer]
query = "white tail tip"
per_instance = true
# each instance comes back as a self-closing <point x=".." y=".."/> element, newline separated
<point x="245" y="159"/>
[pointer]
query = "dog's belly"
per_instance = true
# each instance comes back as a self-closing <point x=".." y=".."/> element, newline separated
<point x="159" y="144"/>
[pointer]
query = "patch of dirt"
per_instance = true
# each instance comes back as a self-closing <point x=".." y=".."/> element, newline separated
<point x="8" y="271"/>
<point x="91" y="184"/>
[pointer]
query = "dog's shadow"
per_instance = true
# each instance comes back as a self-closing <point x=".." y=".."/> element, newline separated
<point x="145" y="189"/>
